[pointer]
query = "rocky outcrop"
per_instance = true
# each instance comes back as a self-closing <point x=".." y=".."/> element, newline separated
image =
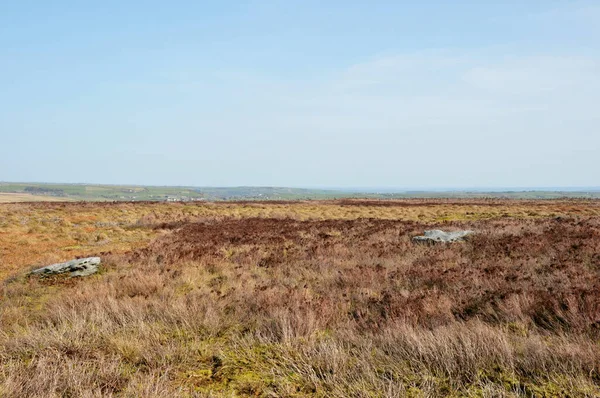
<point x="80" y="267"/>
<point x="436" y="235"/>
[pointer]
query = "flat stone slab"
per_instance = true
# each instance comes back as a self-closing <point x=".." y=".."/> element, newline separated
<point x="437" y="235"/>
<point x="80" y="267"/>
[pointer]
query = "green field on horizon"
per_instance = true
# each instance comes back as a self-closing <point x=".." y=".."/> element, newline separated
<point x="101" y="192"/>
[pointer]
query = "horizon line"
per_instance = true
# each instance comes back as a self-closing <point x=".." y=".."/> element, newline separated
<point x="358" y="189"/>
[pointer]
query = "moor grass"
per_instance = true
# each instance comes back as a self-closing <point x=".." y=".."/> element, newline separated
<point x="329" y="299"/>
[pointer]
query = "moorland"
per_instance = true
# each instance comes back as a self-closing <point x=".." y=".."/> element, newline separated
<point x="303" y="298"/>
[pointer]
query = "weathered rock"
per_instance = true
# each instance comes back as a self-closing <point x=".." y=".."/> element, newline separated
<point x="436" y="235"/>
<point x="80" y="267"/>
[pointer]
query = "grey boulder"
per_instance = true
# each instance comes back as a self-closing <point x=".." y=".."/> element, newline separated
<point x="436" y="235"/>
<point x="80" y="267"/>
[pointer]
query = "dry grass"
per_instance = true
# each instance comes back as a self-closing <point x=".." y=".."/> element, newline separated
<point x="26" y="197"/>
<point x="304" y="299"/>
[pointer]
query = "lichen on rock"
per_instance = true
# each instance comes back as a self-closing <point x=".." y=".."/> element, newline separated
<point x="79" y="267"/>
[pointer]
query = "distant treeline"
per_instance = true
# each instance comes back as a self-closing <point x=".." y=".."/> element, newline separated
<point x="44" y="191"/>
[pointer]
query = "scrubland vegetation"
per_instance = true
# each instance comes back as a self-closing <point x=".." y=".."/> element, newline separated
<point x="329" y="299"/>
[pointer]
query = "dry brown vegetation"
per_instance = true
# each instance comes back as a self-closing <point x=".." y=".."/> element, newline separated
<point x="302" y="299"/>
<point x="26" y="197"/>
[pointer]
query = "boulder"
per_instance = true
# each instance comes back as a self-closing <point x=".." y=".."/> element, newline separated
<point x="80" y="267"/>
<point x="436" y="235"/>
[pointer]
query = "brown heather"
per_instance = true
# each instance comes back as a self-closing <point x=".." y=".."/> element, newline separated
<point x="328" y="299"/>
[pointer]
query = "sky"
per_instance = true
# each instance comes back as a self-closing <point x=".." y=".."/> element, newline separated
<point x="337" y="93"/>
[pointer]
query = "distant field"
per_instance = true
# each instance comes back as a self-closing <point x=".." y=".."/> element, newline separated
<point x="25" y="197"/>
<point x="302" y="299"/>
<point x="137" y="193"/>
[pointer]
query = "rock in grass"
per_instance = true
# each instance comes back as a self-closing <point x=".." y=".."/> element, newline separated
<point x="436" y="235"/>
<point x="80" y="267"/>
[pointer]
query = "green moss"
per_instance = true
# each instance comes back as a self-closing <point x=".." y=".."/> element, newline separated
<point x="549" y="387"/>
<point x="517" y="328"/>
<point x="198" y="377"/>
<point x="183" y="288"/>
<point x="127" y="370"/>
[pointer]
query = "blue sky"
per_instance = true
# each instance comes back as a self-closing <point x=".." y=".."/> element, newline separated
<point x="301" y="93"/>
